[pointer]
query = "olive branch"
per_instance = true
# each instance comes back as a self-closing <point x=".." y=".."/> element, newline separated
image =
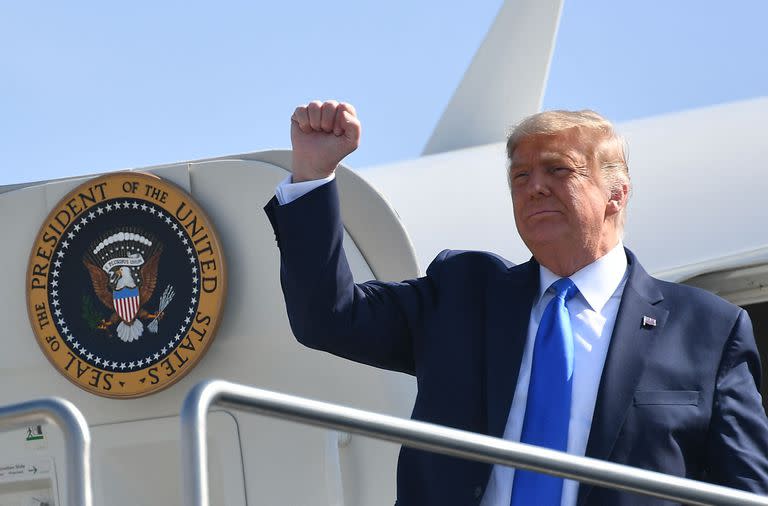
<point x="90" y="313"/>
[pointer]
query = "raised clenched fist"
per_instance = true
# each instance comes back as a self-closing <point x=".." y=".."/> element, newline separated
<point x="322" y="134"/>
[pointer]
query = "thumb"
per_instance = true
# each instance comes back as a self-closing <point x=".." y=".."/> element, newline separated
<point x="350" y="127"/>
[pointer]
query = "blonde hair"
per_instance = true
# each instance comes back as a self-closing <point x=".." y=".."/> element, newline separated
<point x="615" y="169"/>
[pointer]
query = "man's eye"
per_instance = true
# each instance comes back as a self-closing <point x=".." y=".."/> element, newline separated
<point x="519" y="175"/>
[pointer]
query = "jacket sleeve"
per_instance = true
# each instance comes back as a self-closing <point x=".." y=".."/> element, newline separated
<point x="373" y="323"/>
<point x="738" y="452"/>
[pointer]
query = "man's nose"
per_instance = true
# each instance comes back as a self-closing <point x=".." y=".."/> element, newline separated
<point x="538" y="184"/>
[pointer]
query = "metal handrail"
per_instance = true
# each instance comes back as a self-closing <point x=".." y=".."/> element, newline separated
<point x="77" y="439"/>
<point x="426" y="436"/>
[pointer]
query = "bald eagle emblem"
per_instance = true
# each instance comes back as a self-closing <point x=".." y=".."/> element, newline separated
<point x="123" y="267"/>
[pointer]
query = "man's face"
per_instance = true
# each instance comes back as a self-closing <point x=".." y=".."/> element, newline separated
<point x="559" y="196"/>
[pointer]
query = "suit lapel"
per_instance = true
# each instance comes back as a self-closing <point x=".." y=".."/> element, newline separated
<point x="630" y="344"/>
<point x="509" y="300"/>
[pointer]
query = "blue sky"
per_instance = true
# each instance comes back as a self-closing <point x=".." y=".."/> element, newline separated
<point x="94" y="86"/>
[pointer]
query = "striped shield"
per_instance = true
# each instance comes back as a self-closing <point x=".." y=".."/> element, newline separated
<point x="126" y="301"/>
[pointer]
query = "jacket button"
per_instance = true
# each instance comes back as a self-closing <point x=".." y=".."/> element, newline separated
<point x="478" y="491"/>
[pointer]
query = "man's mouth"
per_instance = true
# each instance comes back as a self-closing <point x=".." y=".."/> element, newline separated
<point x="542" y="213"/>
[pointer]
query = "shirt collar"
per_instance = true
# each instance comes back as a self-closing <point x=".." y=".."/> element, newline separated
<point x="597" y="281"/>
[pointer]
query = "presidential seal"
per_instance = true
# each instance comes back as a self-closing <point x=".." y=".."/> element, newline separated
<point x="125" y="285"/>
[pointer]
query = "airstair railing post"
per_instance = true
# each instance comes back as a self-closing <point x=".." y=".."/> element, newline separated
<point x="77" y="439"/>
<point x="194" y="448"/>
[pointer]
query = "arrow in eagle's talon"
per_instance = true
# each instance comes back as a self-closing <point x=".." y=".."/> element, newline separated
<point x="165" y="299"/>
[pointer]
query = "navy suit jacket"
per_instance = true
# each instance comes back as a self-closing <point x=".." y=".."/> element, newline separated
<point x="679" y="397"/>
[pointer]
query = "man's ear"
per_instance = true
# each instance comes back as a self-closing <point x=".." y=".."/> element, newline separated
<point x="618" y="199"/>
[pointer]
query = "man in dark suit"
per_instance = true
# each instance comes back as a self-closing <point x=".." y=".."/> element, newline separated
<point x="651" y="374"/>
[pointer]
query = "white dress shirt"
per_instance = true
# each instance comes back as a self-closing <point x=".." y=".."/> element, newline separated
<point x="593" y="313"/>
<point x="288" y="191"/>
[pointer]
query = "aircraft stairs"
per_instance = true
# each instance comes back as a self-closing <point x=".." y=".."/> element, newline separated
<point x="445" y="440"/>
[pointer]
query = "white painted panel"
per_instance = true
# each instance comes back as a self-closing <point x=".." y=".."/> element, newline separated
<point x="137" y="463"/>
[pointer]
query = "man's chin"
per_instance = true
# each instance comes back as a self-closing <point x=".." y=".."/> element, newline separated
<point x="545" y="236"/>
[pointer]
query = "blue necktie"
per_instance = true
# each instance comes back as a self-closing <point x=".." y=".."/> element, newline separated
<point x="548" y="409"/>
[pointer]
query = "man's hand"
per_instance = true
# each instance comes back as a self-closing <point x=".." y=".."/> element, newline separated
<point x="322" y="134"/>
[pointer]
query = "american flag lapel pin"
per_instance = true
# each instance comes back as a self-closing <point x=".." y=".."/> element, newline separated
<point x="649" y="322"/>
